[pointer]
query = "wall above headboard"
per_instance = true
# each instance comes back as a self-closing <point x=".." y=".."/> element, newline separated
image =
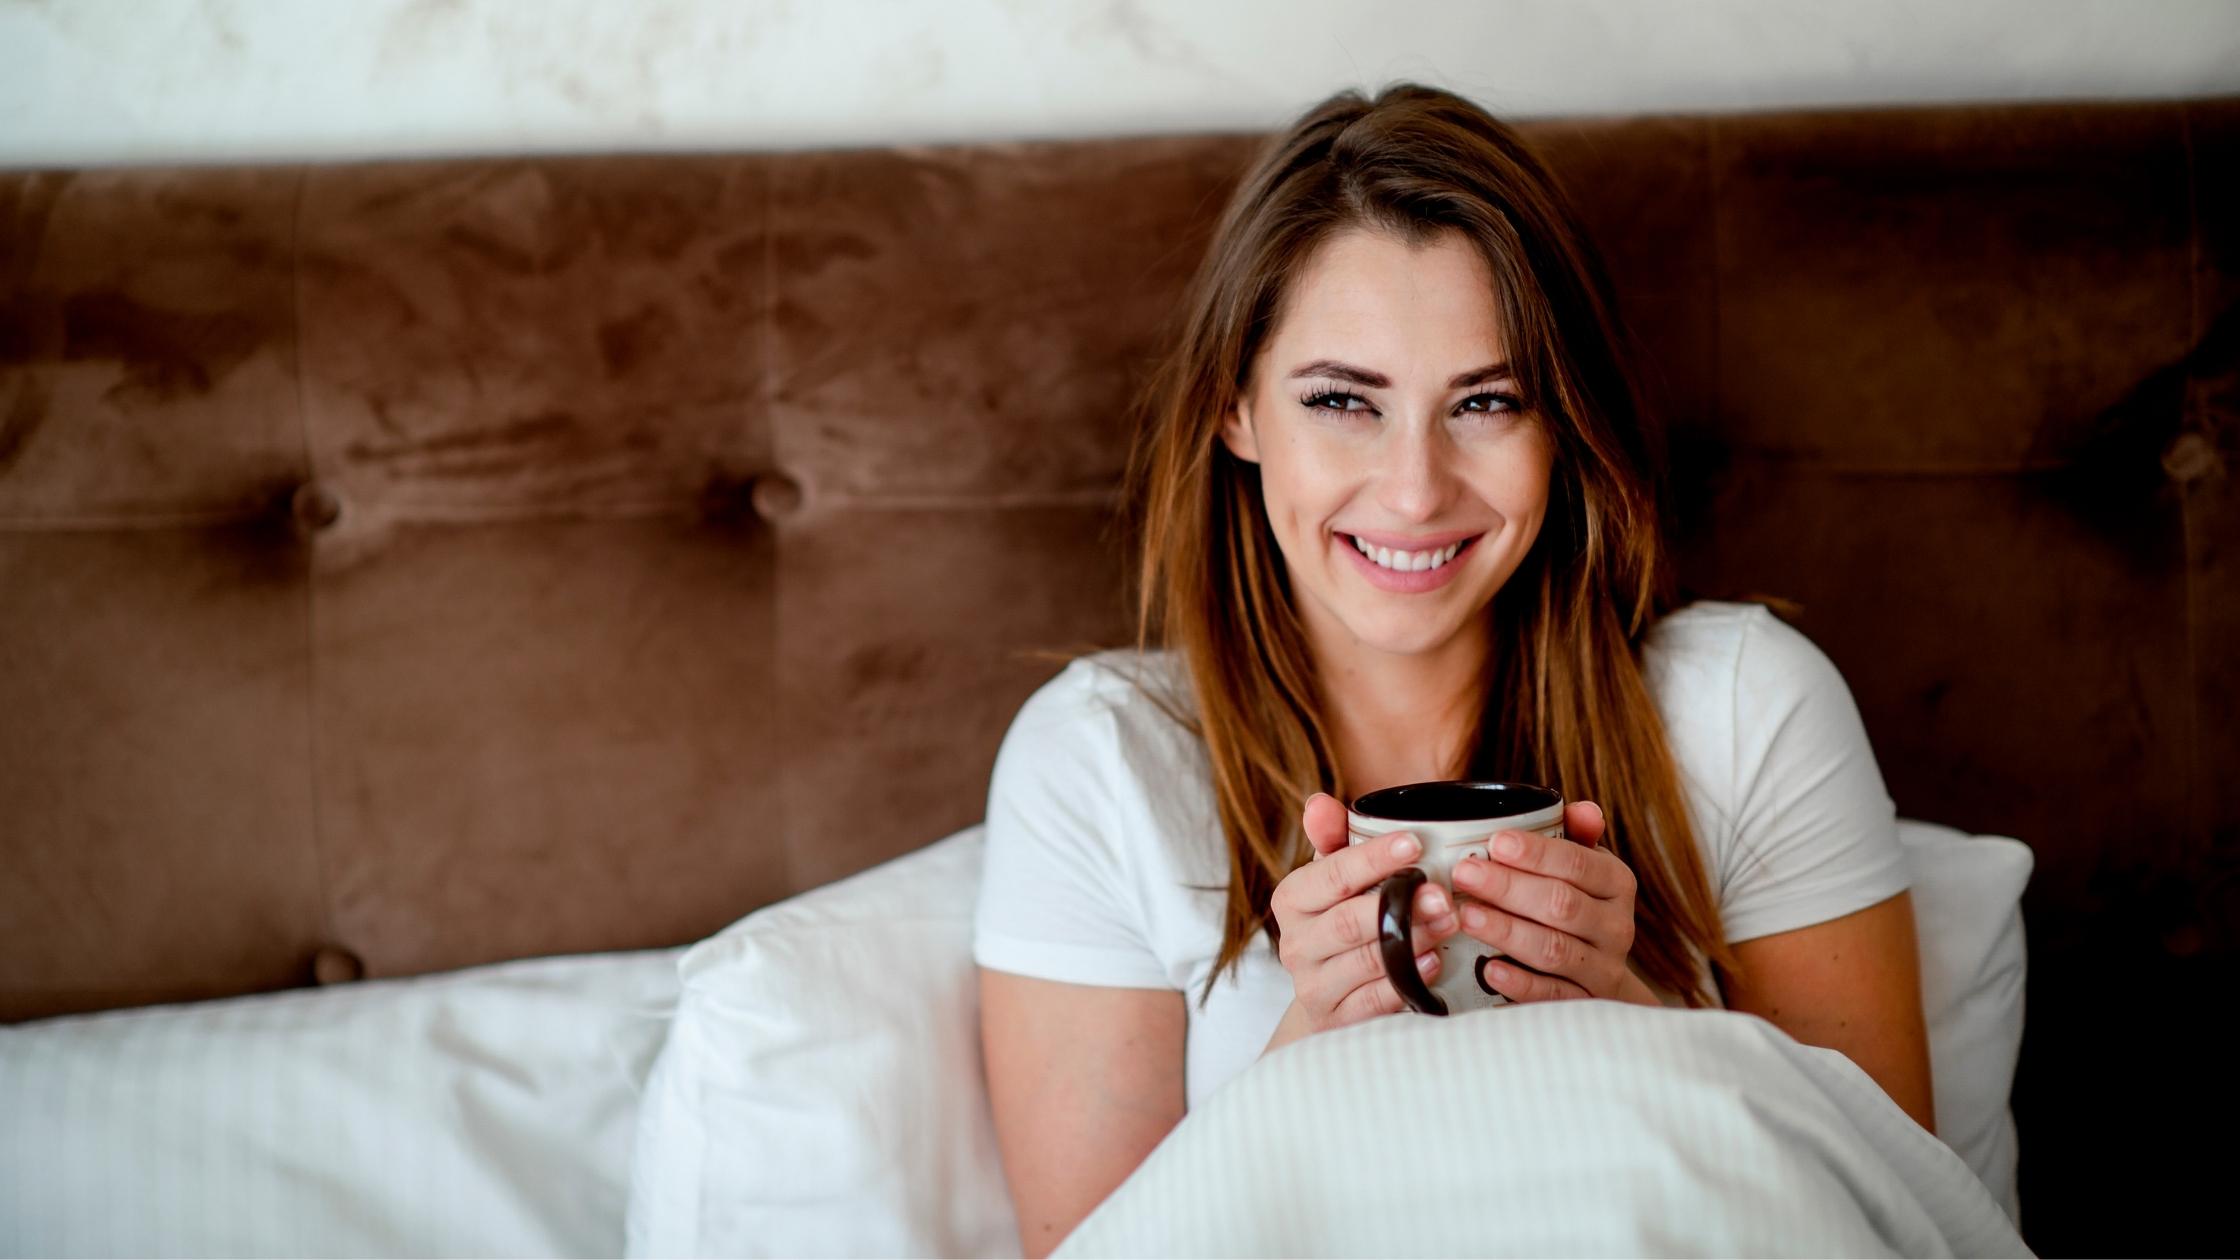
<point x="89" y="82"/>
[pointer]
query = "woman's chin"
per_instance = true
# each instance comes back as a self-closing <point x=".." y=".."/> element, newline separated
<point x="1413" y="639"/>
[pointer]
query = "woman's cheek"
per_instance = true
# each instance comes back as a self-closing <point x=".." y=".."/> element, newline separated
<point x="1323" y="468"/>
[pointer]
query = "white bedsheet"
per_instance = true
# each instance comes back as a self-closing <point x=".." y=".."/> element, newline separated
<point x="1569" y="1128"/>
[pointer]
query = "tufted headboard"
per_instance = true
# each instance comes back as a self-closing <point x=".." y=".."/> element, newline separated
<point x="404" y="566"/>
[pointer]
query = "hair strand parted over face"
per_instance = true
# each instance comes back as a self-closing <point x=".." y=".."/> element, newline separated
<point x="1565" y="702"/>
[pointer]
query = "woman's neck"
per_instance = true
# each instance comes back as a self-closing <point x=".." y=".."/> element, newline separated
<point x="1402" y="717"/>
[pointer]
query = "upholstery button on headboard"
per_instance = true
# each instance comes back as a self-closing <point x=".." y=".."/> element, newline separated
<point x="776" y="496"/>
<point x="2190" y="458"/>
<point x="315" y="507"/>
<point x="334" y="965"/>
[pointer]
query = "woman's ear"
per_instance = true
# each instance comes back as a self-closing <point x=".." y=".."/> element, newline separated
<point x="1237" y="434"/>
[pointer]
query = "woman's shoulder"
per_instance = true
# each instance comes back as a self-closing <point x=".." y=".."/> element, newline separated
<point x="1728" y="678"/>
<point x="1119" y="681"/>
<point x="1740" y="647"/>
<point x="1115" y="725"/>
<point x="1743" y="695"/>
<point x="1795" y="820"/>
<point x="1711" y="625"/>
<point x="1116" y="696"/>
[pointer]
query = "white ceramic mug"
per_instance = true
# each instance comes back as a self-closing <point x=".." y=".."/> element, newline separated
<point x="1454" y="818"/>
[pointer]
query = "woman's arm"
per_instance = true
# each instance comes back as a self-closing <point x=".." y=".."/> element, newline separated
<point x="1852" y="985"/>
<point x="1084" y="1081"/>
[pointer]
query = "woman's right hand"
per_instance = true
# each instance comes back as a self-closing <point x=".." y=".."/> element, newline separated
<point x="1326" y="913"/>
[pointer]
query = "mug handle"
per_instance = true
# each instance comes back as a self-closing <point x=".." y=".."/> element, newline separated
<point x="1396" y="908"/>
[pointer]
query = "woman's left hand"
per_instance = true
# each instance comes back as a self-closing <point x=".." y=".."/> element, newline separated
<point x="1563" y="908"/>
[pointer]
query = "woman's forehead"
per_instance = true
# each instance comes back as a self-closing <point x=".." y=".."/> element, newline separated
<point x="1417" y="314"/>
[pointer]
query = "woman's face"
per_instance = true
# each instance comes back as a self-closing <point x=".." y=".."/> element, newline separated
<point x="1382" y="412"/>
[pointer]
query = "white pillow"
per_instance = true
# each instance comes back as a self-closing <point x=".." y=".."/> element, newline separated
<point x="1967" y="910"/>
<point x="487" y="1111"/>
<point x="821" y="1093"/>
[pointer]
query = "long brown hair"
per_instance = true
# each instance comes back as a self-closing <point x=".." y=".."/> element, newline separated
<point x="1564" y="699"/>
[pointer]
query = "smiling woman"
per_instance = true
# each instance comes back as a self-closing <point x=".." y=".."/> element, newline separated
<point x="1397" y="508"/>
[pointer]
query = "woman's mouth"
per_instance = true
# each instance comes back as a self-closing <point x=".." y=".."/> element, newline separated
<point x="1404" y="571"/>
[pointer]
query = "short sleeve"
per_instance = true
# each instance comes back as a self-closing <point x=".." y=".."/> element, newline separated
<point x="1815" y="831"/>
<point x="1057" y="899"/>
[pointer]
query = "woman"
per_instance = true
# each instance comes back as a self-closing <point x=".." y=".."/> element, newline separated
<point x="1399" y="521"/>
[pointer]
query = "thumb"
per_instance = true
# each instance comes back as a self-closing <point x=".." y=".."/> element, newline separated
<point x="1584" y="823"/>
<point x="1325" y="821"/>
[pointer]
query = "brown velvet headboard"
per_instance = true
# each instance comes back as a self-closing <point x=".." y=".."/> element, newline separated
<point x="404" y="566"/>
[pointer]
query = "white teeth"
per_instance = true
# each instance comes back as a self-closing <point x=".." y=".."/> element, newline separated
<point x="1408" y="561"/>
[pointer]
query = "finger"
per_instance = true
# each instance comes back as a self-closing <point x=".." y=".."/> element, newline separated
<point x="1547" y="902"/>
<point x="1520" y="985"/>
<point x="1584" y="823"/>
<point x="1325" y="821"/>
<point x="1537" y="946"/>
<point x="1360" y="968"/>
<point x="1353" y="929"/>
<point x="1353" y="923"/>
<point x="1351" y="870"/>
<point x="1378" y="997"/>
<point x="1596" y="871"/>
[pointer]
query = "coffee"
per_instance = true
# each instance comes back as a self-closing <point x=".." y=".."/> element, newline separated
<point x="1454" y="800"/>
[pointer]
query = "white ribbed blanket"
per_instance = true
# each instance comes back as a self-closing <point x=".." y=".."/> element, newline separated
<point x="1558" y="1129"/>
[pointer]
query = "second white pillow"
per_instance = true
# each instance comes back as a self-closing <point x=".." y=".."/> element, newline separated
<point x="821" y="1091"/>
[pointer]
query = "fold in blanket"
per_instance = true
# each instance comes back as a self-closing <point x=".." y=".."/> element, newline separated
<point x="1557" y="1129"/>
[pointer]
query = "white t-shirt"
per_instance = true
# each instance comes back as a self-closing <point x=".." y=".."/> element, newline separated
<point x="1106" y="864"/>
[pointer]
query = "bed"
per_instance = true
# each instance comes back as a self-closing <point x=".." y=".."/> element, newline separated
<point x="447" y="606"/>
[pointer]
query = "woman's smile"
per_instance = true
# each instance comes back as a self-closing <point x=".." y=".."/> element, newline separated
<point x="1404" y="570"/>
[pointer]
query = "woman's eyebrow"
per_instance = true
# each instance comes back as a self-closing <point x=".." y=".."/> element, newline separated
<point x="1377" y="380"/>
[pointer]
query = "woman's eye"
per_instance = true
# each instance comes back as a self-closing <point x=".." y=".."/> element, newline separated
<point x="1505" y="403"/>
<point x="1322" y="401"/>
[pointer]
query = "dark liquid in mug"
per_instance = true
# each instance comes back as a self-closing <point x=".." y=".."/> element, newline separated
<point x="1453" y="800"/>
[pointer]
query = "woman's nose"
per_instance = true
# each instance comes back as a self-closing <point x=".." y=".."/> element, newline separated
<point x="1417" y="473"/>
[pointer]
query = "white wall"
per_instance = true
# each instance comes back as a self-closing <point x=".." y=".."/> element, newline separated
<point x="99" y="81"/>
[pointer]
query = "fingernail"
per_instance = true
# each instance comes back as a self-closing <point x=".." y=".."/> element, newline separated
<point x="1473" y="917"/>
<point x="1406" y="846"/>
<point x="1426" y="960"/>
<point x="1466" y="871"/>
<point x="1436" y="900"/>
<point x="1509" y="844"/>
